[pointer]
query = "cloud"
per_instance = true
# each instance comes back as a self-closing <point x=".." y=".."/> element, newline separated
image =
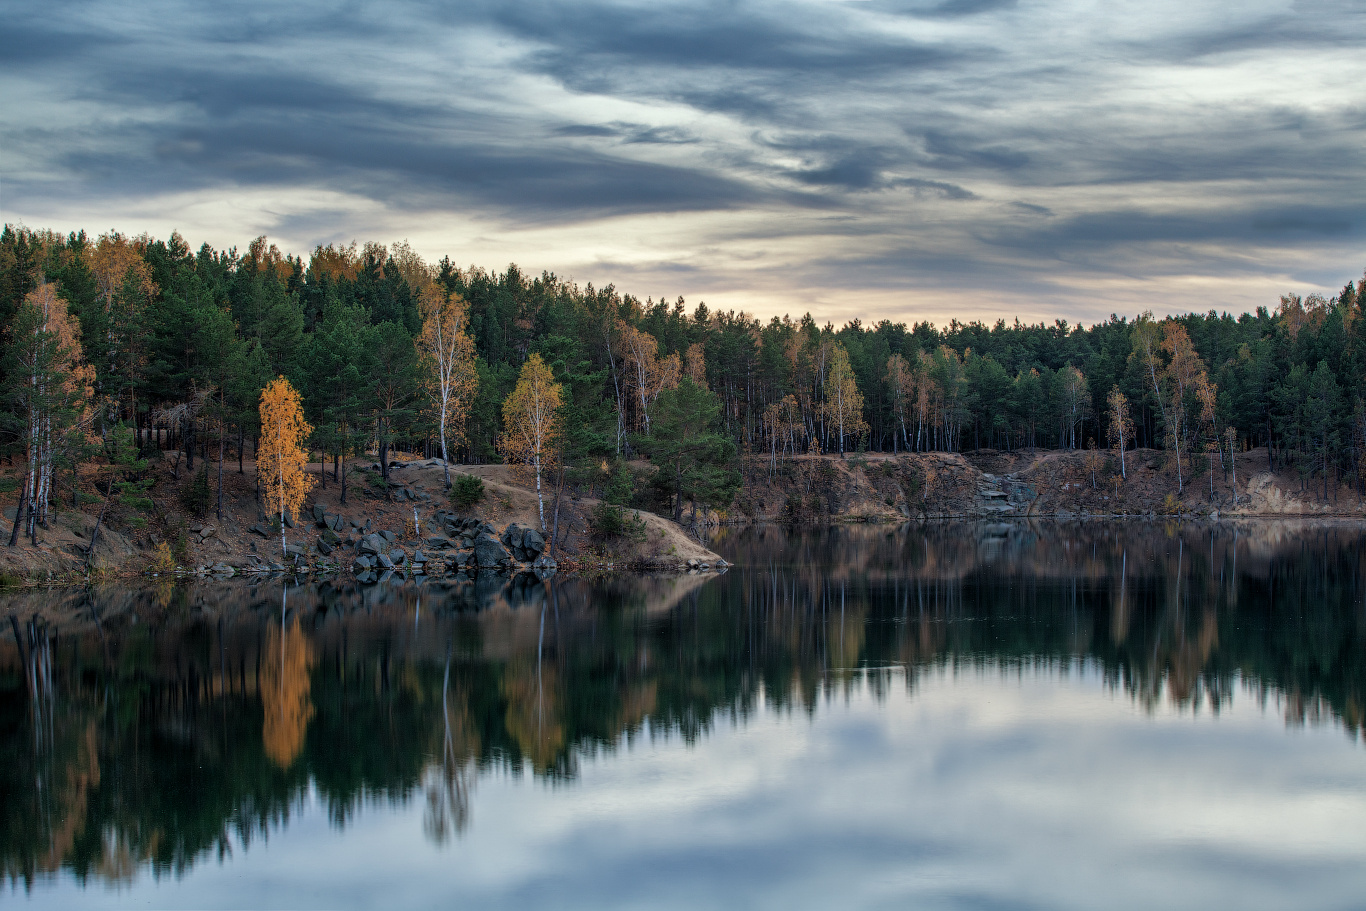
<point x="974" y="146"/>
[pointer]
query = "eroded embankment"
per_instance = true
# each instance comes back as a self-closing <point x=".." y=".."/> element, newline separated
<point x="991" y="483"/>
<point x="408" y="527"/>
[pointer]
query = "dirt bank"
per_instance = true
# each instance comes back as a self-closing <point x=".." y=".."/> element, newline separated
<point x="129" y="539"/>
<point x="990" y="483"/>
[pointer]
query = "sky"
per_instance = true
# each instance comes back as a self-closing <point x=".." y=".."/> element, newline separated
<point x="888" y="159"/>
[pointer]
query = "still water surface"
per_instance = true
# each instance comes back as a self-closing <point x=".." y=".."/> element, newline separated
<point x="1070" y="716"/>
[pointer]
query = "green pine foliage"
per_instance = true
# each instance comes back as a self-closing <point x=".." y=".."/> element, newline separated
<point x="217" y="325"/>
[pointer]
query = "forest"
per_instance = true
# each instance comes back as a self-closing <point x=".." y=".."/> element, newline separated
<point x="135" y="343"/>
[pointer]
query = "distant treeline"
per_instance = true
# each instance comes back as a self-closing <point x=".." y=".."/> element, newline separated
<point x="174" y="338"/>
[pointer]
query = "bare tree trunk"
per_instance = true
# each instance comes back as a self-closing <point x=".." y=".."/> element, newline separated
<point x="555" y="524"/>
<point x="222" y="454"/>
<point x="18" y="517"/>
<point x="94" y="535"/>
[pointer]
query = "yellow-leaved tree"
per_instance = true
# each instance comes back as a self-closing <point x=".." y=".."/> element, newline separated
<point x="531" y="422"/>
<point x="843" y="401"/>
<point x="285" y="691"/>
<point x="447" y="353"/>
<point x="281" y="458"/>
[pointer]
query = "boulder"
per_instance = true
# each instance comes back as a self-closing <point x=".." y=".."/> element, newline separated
<point x="389" y="536"/>
<point x="385" y="562"/>
<point x="397" y="556"/>
<point x="329" y="536"/>
<point x="419" y="557"/>
<point x="294" y="550"/>
<point x="259" y="529"/>
<point x="512" y="538"/>
<point x="335" y="521"/>
<point x="324" y="548"/>
<point x="319" y="514"/>
<point x="364" y="561"/>
<point x="533" y="543"/>
<point x="371" y="544"/>
<point x="207" y="532"/>
<point x="488" y="552"/>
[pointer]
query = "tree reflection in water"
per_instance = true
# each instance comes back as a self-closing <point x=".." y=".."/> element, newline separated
<point x="146" y="730"/>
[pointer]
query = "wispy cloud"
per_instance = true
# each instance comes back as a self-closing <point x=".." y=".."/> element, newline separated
<point x="952" y="156"/>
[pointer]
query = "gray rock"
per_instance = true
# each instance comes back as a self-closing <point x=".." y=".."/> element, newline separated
<point x="488" y="552"/>
<point x="260" y="529"/>
<point x="366" y="577"/>
<point x="364" y="561"/>
<point x="207" y="532"/>
<point x="335" y="522"/>
<point x="329" y="536"/>
<point x="371" y="544"/>
<point x="389" y="536"/>
<point x="324" y="548"/>
<point x="533" y="543"/>
<point x="385" y="562"/>
<point x="319" y="514"/>
<point x="294" y="550"/>
<point x="419" y="557"/>
<point x="289" y="522"/>
<point x="397" y="556"/>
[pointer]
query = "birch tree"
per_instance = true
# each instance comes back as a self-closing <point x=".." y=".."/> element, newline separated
<point x="531" y="418"/>
<point x="51" y="391"/>
<point x="447" y="354"/>
<point x="843" y="401"/>
<point x="281" y="456"/>
<point x="1121" y="425"/>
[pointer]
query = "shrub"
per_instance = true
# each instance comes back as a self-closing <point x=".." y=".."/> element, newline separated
<point x="10" y="580"/>
<point x="196" y="496"/>
<point x="180" y="548"/>
<point x="163" y="561"/>
<point x="467" y="490"/>
<point x="607" y="522"/>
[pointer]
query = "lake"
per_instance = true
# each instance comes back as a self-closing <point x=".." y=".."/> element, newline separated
<point x="942" y="716"/>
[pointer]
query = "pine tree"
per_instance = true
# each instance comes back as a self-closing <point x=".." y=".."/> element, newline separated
<point x="695" y="460"/>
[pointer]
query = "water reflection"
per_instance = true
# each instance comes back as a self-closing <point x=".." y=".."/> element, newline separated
<point x="150" y="730"/>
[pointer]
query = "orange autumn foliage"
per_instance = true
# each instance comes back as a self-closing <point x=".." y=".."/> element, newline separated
<point x="285" y="692"/>
<point x="281" y="458"/>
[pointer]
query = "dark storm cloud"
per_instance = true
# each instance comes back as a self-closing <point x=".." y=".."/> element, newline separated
<point x="962" y="136"/>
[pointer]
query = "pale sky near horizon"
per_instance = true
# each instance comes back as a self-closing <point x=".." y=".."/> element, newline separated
<point x="898" y="159"/>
